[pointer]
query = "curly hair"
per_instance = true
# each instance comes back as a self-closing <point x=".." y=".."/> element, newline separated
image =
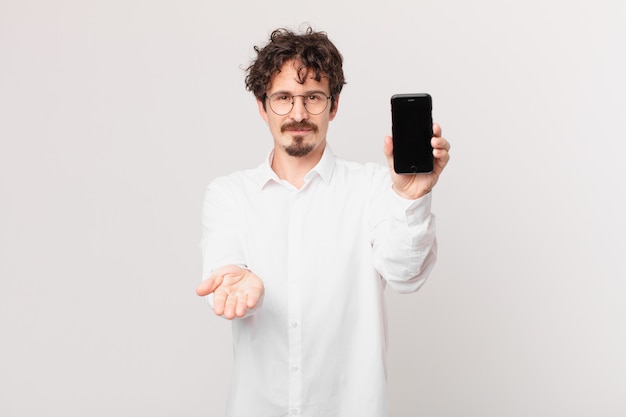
<point x="317" y="54"/>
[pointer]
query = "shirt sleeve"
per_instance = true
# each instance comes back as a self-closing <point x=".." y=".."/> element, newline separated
<point x="402" y="237"/>
<point x="221" y="235"/>
<point x="221" y="243"/>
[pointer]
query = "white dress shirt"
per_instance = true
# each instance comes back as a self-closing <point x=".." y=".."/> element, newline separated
<point x="316" y="346"/>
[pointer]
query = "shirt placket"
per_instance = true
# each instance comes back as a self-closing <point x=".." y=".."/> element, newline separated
<point x="294" y="304"/>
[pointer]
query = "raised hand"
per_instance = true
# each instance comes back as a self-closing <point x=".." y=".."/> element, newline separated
<point x="414" y="186"/>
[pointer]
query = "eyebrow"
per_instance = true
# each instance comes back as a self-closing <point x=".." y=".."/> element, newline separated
<point x="289" y="93"/>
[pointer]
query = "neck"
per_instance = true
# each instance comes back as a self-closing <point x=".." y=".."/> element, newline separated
<point x="293" y="169"/>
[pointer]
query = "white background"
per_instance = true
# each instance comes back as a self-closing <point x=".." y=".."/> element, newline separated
<point x="115" y="114"/>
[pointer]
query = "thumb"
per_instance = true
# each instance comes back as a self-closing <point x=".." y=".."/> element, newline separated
<point x="388" y="150"/>
<point x="209" y="285"/>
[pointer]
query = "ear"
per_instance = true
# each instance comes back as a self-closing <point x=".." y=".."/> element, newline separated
<point x="262" y="111"/>
<point x="333" y="113"/>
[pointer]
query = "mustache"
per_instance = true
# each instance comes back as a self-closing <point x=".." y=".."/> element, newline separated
<point x="303" y="125"/>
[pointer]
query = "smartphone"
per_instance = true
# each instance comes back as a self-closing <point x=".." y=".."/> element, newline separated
<point x="412" y="131"/>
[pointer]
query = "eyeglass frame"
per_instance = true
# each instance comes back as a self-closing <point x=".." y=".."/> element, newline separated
<point x="293" y="101"/>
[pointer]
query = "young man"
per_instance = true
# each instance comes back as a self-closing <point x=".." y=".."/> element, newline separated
<point x="299" y="250"/>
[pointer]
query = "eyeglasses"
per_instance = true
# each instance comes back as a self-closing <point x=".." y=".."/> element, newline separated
<point x="314" y="103"/>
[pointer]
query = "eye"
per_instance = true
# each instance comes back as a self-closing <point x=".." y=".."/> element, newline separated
<point x="314" y="98"/>
<point x="282" y="97"/>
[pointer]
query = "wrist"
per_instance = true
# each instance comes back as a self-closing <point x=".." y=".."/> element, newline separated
<point x="411" y="194"/>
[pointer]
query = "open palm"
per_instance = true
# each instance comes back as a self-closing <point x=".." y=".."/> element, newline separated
<point x="235" y="290"/>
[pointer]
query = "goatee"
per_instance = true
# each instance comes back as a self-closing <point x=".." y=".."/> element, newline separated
<point x="298" y="148"/>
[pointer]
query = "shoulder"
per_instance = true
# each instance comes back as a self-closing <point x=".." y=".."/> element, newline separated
<point x="369" y="172"/>
<point x="243" y="180"/>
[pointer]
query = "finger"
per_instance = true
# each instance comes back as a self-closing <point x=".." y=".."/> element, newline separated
<point x="441" y="154"/>
<point x="388" y="150"/>
<point x="253" y="298"/>
<point x="438" y="142"/>
<point x="229" y="306"/>
<point x="441" y="160"/>
<point x="242" y="306"/>
<point x="219" y="303"/>
<point x="436" y="130"/>
<point x="207" y="286"/>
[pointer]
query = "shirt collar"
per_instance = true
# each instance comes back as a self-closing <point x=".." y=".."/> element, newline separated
<point x="324" y="168"/>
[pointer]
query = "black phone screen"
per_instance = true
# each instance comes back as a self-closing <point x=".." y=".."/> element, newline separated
<point x="412" y="130"/>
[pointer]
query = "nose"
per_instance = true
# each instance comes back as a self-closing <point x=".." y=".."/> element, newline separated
<point x="298" y="111"/>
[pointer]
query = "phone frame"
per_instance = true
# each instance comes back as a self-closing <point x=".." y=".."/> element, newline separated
<point x="413" y="152"/>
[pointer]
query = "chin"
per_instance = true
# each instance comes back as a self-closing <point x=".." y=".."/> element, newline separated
<point x="298" y="148"/>
<point x="299" y="151"/>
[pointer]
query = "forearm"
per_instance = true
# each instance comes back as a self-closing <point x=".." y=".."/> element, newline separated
<point x="225" y="273"/>
<point x="404" y="244"/>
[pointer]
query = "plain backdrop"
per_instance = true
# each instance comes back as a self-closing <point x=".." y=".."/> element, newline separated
<point x="115" y="115"/>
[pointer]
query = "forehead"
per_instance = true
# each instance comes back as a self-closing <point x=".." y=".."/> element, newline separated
<point x="292" y="77"/>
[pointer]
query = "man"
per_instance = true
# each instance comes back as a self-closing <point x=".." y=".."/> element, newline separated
<point x="299" y="250"/>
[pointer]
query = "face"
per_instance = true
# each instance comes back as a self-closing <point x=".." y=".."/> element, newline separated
<point x="298" y="133"/>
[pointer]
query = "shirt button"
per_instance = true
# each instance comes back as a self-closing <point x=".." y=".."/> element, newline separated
<point x="294" y="368"/>
<point x="293" y="412"/>
<point x="294" y="324"/>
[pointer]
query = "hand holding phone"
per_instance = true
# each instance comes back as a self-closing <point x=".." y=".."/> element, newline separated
<point x="412" y="131"/>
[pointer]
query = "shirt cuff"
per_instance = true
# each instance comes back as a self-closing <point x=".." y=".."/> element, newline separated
<point x="415" y="211"/>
